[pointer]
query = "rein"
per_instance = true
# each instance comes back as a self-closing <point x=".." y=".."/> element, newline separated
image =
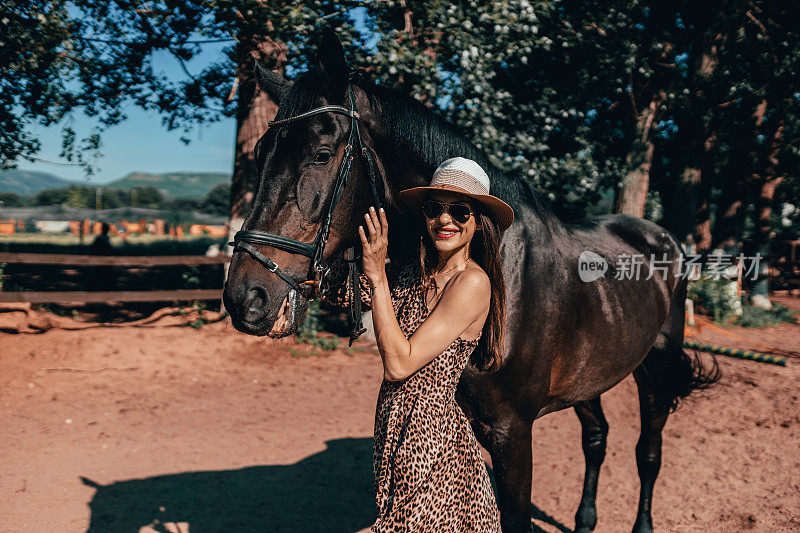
<point x="245" y="239"/>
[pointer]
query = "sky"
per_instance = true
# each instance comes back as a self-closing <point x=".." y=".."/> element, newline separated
<point x="142" y="144"/>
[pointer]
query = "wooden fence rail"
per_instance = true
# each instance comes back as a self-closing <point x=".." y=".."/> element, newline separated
<point x="110" y="296"/>
<point x="111" y="260"/>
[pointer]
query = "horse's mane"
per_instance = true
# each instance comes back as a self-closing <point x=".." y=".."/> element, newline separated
<point x="417" y="129"/>
<point x="301" y="95"/>
<point x="420" y="130"/>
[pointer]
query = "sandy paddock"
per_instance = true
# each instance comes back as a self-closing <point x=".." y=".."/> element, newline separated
<point x="176" y="429"/>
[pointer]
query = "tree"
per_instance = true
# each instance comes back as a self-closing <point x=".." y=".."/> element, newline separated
<point x="99" y="60"/>
<point x="32" y="88"/>
<point x="218" y="200"/>
<point x="78" y="197"/>
<point x="492" y="69"/>
<point x="565" y="92"/>
<point x="586" y="96"/>
<point x="636" y="104"/>
<point x="36" y="66"/>
<point x="50" y="197"/>
<point x="184" y="204"/>
<point x="149" y="197"/>
<point x="10" y="199"/>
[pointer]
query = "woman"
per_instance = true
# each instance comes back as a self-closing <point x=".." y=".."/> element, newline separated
<point x="428" y="319"/>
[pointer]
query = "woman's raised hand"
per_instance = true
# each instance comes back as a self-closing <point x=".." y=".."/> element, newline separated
<point x="374" y="247"/>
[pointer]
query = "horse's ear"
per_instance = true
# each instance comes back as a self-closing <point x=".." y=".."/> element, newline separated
<point x="330" y="57"/>
<point x="270" y="82"/>
<point x="89" y="483"/>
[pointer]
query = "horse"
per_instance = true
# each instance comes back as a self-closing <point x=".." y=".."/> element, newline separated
<point x="567" y="340"/>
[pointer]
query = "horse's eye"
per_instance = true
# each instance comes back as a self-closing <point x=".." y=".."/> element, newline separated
<point x="322" y="158"/>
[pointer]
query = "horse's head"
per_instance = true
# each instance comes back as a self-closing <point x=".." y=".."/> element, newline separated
<point x="298" y="162"/>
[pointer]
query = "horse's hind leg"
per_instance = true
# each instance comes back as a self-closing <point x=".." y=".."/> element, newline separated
<point x="648" y="449"/>
<point x="512" y="462"/>
<point x="594" y="431"/>
<point x="666" y="375"/>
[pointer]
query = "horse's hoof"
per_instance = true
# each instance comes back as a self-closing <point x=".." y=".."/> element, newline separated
<point x="585" y="520"/>
<point x="643" y="525"/>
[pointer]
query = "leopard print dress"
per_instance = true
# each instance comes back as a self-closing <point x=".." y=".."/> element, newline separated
<point x="429" y="473"/>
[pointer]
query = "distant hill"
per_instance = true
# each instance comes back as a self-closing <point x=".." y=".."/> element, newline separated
<point x="26" y="182"/>
<point x="173" y="184"/>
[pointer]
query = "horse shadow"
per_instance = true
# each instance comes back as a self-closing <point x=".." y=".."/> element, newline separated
<point x="542" y="516"/>
<point x="537" y="514"/>
<point x="329" y="491"/>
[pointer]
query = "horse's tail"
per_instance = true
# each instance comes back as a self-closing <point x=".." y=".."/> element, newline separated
<point x="673" y="371"/>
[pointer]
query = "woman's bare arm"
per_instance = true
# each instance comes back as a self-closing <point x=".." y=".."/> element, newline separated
<point x="465" y="299"/>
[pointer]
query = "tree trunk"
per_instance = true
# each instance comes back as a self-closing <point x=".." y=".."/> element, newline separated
<point x="729" y="223"/>
<point x="700" y="178"/>
<point x="255" y="110"/>
<point x="632" y="194"/>
<point x="766" y="183"/>
<point x="698" y="173"/>
<point x="763" y="181"/>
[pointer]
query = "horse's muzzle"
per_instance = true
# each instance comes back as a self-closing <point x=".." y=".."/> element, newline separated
<point x="255" y="311"/>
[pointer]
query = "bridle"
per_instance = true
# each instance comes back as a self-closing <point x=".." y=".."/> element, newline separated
<point x="245" y="239"/>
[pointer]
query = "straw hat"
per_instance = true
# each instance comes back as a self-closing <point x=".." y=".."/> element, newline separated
<point x="464" y="176"/>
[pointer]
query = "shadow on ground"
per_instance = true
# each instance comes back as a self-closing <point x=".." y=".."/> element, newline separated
<point x="541" y="516"/>
<point x="331" y="490"/>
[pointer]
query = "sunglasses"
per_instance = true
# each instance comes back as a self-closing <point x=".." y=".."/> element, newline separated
<point x="460" y="213"/>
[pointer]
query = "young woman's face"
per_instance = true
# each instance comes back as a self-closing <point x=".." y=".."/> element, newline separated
<point x="446" y="233"/>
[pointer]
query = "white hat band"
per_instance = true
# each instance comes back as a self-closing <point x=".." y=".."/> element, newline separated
<point x="461" y="179"/>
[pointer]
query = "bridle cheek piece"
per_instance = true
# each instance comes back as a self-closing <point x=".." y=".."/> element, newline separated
<point x="245" y="239"/>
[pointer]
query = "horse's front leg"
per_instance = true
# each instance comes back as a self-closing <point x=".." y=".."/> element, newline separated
<point x="512" y="462"/>
<point x="594" y="431"/>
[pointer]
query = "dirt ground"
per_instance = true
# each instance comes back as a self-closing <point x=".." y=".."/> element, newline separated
<point x="177" y="429"/>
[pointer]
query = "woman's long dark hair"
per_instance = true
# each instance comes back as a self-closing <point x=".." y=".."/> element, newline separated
<point x="484" y="249"/>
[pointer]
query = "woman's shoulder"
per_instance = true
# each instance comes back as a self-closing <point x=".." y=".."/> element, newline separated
<point x="472" y="278"/>
<point x="473" y="281"/>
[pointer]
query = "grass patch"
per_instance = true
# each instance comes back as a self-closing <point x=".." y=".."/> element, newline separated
<point x="350" y="350"/>
<point x="310" y="334"/>
<point x="755" y="317"/>
<point x="715" y="297"/>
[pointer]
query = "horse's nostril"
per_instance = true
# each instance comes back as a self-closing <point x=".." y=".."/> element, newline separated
<point x="256" y="304"/>
<point x="255" y="299"/>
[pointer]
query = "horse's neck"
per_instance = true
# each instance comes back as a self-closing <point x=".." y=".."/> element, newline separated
<point x="405" y="168"/>
<point x="403" y="171"/>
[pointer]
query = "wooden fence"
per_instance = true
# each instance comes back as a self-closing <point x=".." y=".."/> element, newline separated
<point x="111" y="260"/>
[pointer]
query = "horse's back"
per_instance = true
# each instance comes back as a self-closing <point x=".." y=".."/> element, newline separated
<point x="637" y="233"/>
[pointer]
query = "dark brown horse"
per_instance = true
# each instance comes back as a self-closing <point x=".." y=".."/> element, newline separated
<point x="568" y="340"/>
